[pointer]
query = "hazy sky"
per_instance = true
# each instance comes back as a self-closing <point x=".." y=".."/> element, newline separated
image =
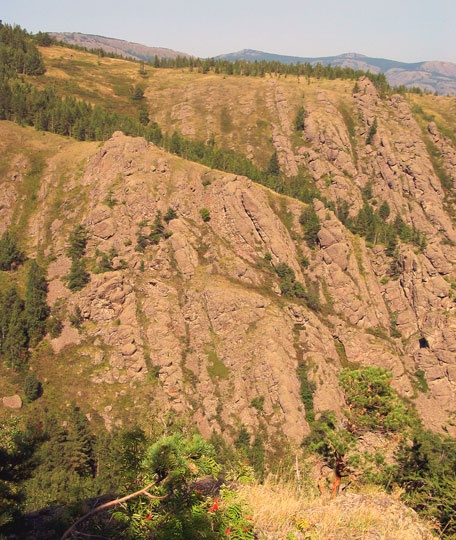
<point x="405" y="30"/>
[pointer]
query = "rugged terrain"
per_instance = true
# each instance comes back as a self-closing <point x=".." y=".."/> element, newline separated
<point x="196" y="325"/>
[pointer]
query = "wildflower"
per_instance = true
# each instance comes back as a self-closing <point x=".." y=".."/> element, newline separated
<point x="227" y="531"/>
<point x="215" y="506"/>
<point x="148" y="517"/>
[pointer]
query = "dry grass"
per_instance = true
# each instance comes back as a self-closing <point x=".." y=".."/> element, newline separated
<point x="281" y="511"/>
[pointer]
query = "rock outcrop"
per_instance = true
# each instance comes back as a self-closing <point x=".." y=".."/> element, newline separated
<point x="194" y="323"/>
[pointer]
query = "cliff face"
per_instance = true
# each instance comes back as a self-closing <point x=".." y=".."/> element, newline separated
<point x="196" y="325"/>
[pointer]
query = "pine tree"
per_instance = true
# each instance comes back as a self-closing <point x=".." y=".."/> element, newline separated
<point x="310" y="224"/>
<point x="36" y="309"/>
<point x="15" y="345"/>
<point x="78" y="276"/>
<point x="299" y="119"/>
<point x="79" y="445"/>
<point x="10" y="254"/>
<point x="274" y="165"/>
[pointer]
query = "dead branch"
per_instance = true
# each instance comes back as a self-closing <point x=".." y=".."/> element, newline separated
<point x="111" y="504"/>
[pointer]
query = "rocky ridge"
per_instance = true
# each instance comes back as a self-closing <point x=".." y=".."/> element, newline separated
<point x="196" y="325"/>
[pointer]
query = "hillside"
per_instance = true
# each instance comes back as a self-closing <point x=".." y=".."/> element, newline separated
<point x="116" y="46"/>
<point x="214" y="301"/>
<point x="431" y="76"/>
<point x="347" y="273"/>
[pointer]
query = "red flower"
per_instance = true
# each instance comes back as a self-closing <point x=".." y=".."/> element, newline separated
<point x="215" y="506"/>
<point x="249" y="519"/>
<point x="149" y="517"/>
<point x="227" y="532"/>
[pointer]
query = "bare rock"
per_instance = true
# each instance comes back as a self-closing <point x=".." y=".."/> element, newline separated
<point x="12" y="402"/>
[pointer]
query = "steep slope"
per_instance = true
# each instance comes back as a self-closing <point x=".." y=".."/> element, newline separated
<point x="196" y="324"/>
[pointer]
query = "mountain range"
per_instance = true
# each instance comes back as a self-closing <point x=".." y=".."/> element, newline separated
<point x="430" y="76"/>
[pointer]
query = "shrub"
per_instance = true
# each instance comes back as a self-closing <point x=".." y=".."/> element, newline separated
<point x="205" y="214"/>
<point x="32" y="387"/>
<point x="310" y="224"/>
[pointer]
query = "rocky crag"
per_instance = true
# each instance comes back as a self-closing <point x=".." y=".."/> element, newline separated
<point x="194" y="324"/>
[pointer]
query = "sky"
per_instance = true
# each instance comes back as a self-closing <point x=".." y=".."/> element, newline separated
<point x="403" y="30"/>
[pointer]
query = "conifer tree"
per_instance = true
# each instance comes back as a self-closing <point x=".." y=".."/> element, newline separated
<point x="15" y="345"/>
<point x="79" y="444"/>
<point x="36" y="309"/>
<point x="10" y="254"/>
<point x="274" y="165"/>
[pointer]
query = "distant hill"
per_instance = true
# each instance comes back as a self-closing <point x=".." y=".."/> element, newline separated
<point x="431" y="76"/>
<point x="117" y="46"/>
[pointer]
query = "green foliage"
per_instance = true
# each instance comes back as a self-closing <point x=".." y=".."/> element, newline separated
<point x="10" y="254"/>
<point x="13" y="452"/>
<point x="105" y="261"/>
<point x="372" y="402"/>
<point x="36" y="310"/>
<point x="205" y="214"/>
<point x="372" y="131"/>
<point x="18" y="53"/>
<point x="14" y="339"/>
<point x="78" y="276"/>
<point x="76" y="318"/>
<point x="138" y="94"/>
<point x="425" y="468"/>
<point x="32" y="387"/>
<point x="310" y="224"/>
<point x="274" y="165"/>
<point x="329" y="439"/>
<point x="170" y="215"/>
<point x="77" y="240"/>
<point x="157" y="232"/>
<point x="257" y="403"/>
<point x="293" y="288"/>
<point x="54" y="326"/>
<point x="307" y="391"/>
<point x="299" y="119"/>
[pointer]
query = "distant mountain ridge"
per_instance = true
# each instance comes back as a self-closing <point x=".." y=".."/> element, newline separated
<point x="433" y="76"/>
<point x="118" y="46"/>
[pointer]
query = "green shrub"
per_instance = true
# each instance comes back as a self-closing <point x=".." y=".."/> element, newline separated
<point x="205" y="214"/>
<point x="32" y="387"/>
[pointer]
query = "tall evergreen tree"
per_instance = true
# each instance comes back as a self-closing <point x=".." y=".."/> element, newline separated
<point x="15" y="345"/>
<point x="10" y="254"/>
<point x="36" y="309"/>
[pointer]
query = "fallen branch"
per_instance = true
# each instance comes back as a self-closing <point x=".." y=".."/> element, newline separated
<point x="111" y="504"/>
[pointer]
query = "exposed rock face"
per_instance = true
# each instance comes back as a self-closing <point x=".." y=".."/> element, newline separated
<point x="195" y="323"/>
